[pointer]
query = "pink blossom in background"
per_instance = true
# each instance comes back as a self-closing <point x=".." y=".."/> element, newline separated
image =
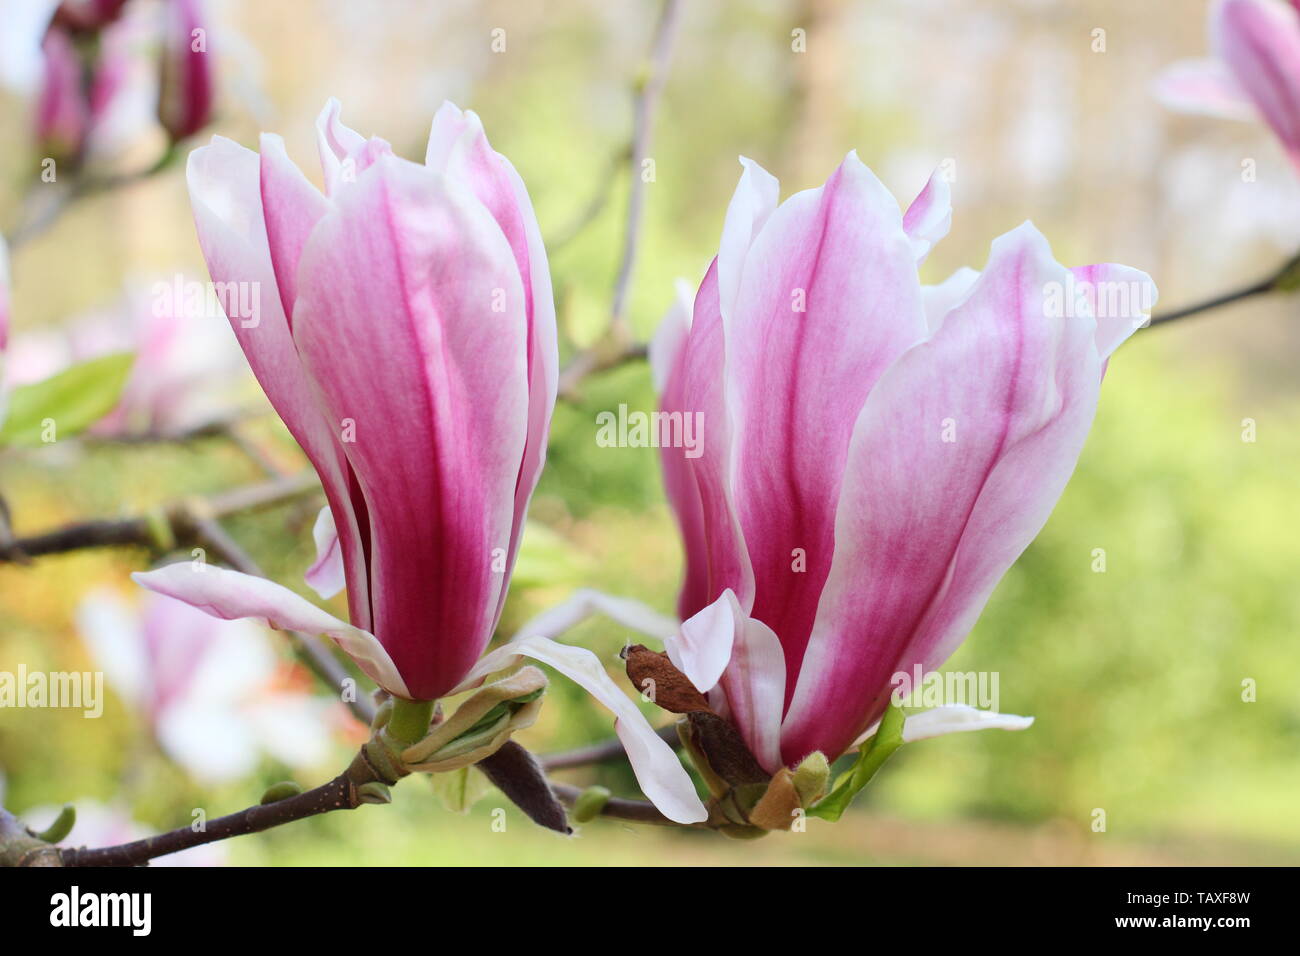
<point x="213" y="692"/>
<point x="63" y="107"/>
<point x="1255" y="70"/>
<point x="187" y="86"/>
<point x="187" y="365"/>
<point x="87" y="15"/>
<point x="96" y="96"/>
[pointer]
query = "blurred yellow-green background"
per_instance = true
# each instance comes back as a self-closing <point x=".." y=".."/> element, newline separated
<point x="1135" y="675"/>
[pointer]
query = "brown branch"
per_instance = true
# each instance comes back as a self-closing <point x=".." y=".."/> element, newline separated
<point x="606" y="750"/>
<point x="341" y="793"/>
<point x="618" y="808"/>
<point x="142" y="530"/>
<point x="199" y="521"/>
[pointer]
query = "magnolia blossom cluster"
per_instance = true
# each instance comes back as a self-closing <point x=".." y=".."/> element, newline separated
<point x="95" y="76"/>
<point x="904" y="442"/>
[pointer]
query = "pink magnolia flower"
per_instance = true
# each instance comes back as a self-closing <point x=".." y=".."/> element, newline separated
<point x="94" y="94"/>
<point x="876" y="453"/>
<point x="407" y="339"/>
<point x="186" y="87"/>
<point x="1255" y="72"/>
<point x="212" y="691"/>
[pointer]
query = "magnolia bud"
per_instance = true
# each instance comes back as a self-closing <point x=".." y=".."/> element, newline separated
<point x="186" y="86"/>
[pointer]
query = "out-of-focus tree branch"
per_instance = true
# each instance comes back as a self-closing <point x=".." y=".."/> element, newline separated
<point x="39" y="215"/>
<point x="347" y="791"/>
<point x="1284" y="279"/>
<point x="177" y="521"/>
<point x="616" y="346"/>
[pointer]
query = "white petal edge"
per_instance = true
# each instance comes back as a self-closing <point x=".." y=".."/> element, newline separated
<point x="957" y="718"/>
<point x="232" y="595"/>
<point x="701" y="647"/>
<point x="929" y="218"/>
<point x="938" y="300"/>
<point x="586" y="603"/>
<point x="670" y="336"/>
<point x="326" y="575"/>
<point x="659" y="772"/>
<point x="756" y="197"/>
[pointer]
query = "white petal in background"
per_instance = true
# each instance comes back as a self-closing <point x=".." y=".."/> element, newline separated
<point x="209" y="688"/>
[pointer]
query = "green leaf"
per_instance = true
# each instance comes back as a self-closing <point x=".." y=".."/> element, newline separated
<point x="73" y="400"/>
<point x="871" y="756"/>
<point x="61" y="826"/>
<point x="460" y="789"/>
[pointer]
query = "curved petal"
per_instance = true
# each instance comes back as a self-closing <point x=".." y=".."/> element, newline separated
<point x="955" y="718"/>
<point x="658" y="771"/>
<point x="940" y="299"/>
<point x="291" y="206"/>
<point x="957" y="460"/>
<point x="701" y="647"/>
<point x="1260" y="42"/>
<point x="335" y="142"/>
<point x="587" y="603"/>
<point x="325" y="576"/>
<point x="754" y="201"/>
<point x="1120" y="297"/>
<point x="459" y="148"/>
<point x="699" y="487"/>
<point x="667" y="347"/>
<point x="828" y="300"/>
<point x="413" y="277"/>
<point x="225" y="193"/>
<point x="231" y="596"/>
<point x="1203" y="86"/>
<point x="754" y="682"/>
<point x="929" y="217"/>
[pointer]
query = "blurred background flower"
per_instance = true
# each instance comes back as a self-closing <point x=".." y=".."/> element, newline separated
<point x="186" y="370"/>
<point x="211" y="691"/>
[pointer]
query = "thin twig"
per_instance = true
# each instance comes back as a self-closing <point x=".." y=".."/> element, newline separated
<point x="606" y="750"/>
<point x="81" y="188"/>
<point x="618" y="808"/>
<point x="616" y="345"/>
<point x="341" y="793"/>
<point x="1281" y="280"/>
<point x="142" y="530"/>
<point x="595" y="206"/>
